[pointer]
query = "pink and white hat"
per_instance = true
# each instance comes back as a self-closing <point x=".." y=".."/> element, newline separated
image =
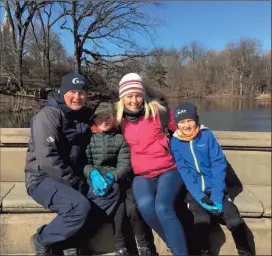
<point x="131" y="82"/>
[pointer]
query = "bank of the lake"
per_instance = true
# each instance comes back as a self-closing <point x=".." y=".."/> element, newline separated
<point x="221" y="114"/>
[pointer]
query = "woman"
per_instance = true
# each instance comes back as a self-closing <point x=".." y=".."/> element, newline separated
<point x="157" y="180"/>
<point x="55" y="161"/>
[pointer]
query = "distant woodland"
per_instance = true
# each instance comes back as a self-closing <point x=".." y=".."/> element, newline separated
<point x="32" y="55"/>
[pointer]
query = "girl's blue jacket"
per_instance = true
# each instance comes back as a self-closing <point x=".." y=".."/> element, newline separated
<point x="201" y="164"/>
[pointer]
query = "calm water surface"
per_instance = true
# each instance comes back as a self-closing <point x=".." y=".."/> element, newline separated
<point x="218" y="114"/>
<point x="232" y="114"/>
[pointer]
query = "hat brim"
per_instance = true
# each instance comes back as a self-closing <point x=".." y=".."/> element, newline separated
<point x="102" y="112"/>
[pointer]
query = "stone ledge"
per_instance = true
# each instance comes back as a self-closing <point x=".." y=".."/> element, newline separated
<point x="16" y="230"/>
<point x="250" y="204"/>
<point x="19" y="201"/>
<point x="225" y="138"/>
<point x="263" y="193"/>
<point x="5" y="188"/>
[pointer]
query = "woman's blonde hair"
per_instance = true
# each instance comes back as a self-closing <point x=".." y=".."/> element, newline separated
<point x="151" y="107"/>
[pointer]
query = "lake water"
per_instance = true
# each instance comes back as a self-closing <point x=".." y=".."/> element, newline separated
<point x="218" y="114"/>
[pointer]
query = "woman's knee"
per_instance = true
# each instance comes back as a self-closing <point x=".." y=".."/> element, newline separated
<point x="165" y="210"/>
<point x="146" y="206"/>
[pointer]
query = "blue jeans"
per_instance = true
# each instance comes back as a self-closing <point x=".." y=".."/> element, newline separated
<point x="155" y="199"/>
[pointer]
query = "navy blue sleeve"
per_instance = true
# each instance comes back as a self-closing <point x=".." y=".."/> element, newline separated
<point x="218" y="167"/>
<point x="45" y="135"/>
<point x="185" y="171"/>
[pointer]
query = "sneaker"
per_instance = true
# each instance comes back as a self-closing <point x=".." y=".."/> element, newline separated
<point x="122" y="252"/>
<point x="145" y="251"/>
<point x="245" y="253"/>
<point x="70" y="251"/>
<point x="40" y="249"/>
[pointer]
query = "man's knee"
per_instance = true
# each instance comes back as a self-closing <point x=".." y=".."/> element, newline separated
<point x="73" y="208"/>
<point x="83" y="208"/>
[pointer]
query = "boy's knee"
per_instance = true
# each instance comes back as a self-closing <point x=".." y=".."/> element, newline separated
<point x="202" y="219"/>
<point x="234" y="222"/>
<point x="133" y="212"/>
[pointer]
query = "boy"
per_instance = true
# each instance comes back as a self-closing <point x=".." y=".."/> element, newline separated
<point x="107" y="171"/>
<point x="202" y="166"/>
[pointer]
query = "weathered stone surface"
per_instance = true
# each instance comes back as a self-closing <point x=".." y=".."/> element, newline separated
<point x="19" y="201"/>
<point x="247" y="203"/>
<point x="263" y="193"/>
<point x="251" y="167"/>
<point x="246" y="139"/>
<point x="225" y="138"/>
<point x="16" y="230"/>
<point x="12" y="164"/>
<point x="14" y="135"/>
<point x="5" y="188"/>
<point x="245" y="164"/>
<point x="259" y="235"/>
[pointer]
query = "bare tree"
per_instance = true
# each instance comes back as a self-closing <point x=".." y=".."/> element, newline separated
<point x="23" y="13"/>
<point x="47" y="41"/>
<point x="243" y="58"/>
<point x="96" y="22"/>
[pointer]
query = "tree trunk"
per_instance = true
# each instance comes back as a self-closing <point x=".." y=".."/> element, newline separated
<point x="241" y="86"/>
<point x="77" y="59"/>
<point x="42" y="58"/>
<point x="48" y="62"/>
<point x="19" y="68"/>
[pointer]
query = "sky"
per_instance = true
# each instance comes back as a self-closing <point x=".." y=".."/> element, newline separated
<point x="213" y="23"/>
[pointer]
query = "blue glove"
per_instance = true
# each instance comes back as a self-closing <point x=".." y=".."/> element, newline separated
<point x="212" y="209"/>
<point x="219" y="207"/>
<point x="98" y="182"/>
<point x="110" y="180"/>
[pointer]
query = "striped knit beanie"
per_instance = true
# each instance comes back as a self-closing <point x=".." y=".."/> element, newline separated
<point x="131" y="82"/>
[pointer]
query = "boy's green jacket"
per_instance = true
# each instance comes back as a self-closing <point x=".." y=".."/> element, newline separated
<point x="108" y="152"/>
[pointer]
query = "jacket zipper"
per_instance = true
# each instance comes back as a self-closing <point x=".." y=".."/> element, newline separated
<point x="197" y="166"/>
